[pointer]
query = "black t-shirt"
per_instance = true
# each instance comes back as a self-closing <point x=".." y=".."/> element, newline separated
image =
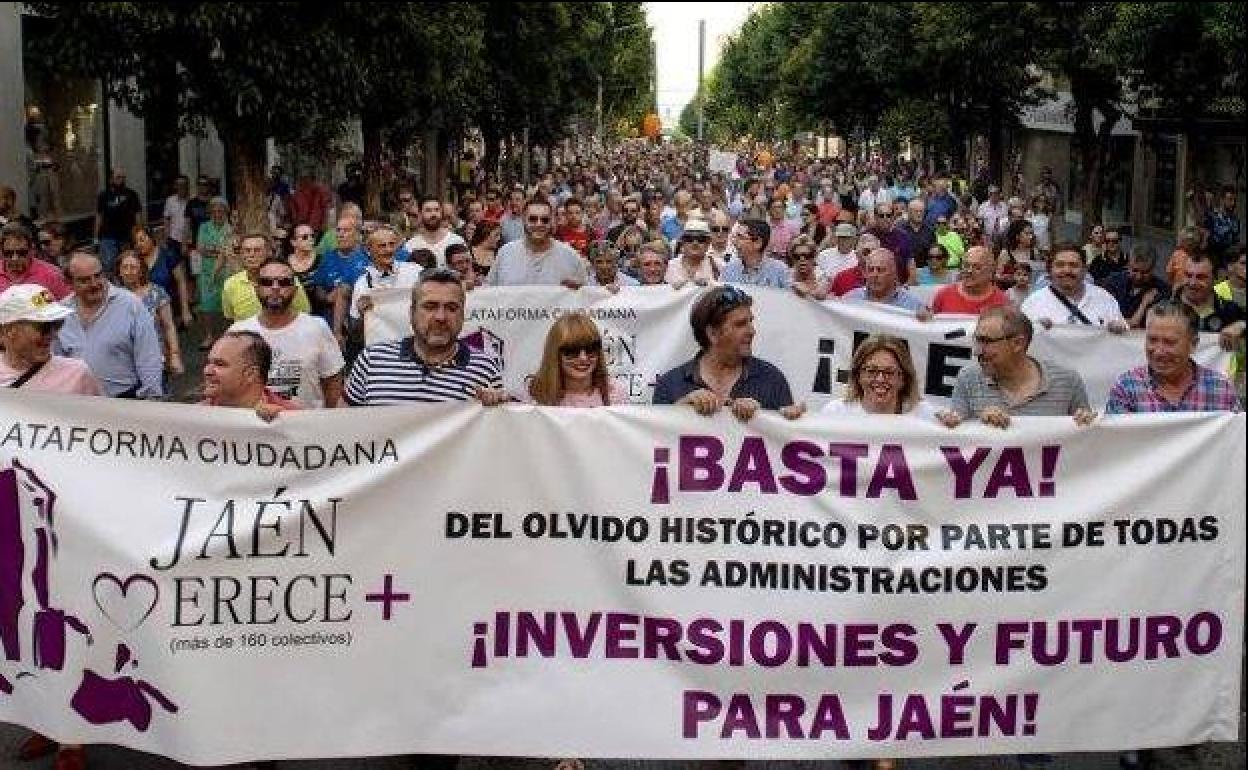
<point x="119" y="212"/>
<point x="197" y="214"/>
<point x="1223" y="315"/>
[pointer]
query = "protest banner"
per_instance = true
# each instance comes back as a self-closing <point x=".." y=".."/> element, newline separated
<point x="624" y="582"/>
<point x="720" y="162"/>
<point x="646" y="332"/>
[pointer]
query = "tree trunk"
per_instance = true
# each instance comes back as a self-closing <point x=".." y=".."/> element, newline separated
<point x="489" y="135"/>
<point x="371" y="131"/>
<point x="431" y="183"/>
<point x="996" y="142"/>
<point x="1093" y="149"/>
<point x="247" y="175"/>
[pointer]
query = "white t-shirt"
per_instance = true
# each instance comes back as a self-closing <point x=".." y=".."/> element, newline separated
<point x="832" y="261"/>
<point x="869" y="200"/>
<point x="923" y="410"/>
<point x="515" y="265"/>
<point x="405" y="275"/>
<point x="991" y="216"/>
<point x="418" y="241"/>
<point x="304" y="353"/>
<point x="175" y="213"/>
<point x="1098" y="305"/>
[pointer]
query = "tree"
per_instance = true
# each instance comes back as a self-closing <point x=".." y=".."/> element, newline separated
<point x="442" y="45"/>
<point x="232" y="65"/>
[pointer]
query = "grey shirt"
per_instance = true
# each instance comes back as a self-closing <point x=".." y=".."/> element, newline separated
<point x="1060" y="394"/>
<point x="516" y="265"/>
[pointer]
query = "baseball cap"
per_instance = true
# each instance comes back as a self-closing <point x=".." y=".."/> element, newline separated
<point x="845" y="230"/>
<point x="30" y="302"/>
<point x="696" y="227"/>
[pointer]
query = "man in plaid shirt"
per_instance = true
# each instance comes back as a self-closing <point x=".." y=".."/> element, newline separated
<point x="1171" y="381"/>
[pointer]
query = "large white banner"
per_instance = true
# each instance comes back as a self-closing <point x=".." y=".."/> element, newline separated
<point x="646" y="332"/>
<point x="626" y="582"/>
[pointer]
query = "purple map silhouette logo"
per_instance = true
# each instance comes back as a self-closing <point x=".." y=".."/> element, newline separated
<point x="27" y="508"/>
<point x="126" y="603"/>
<point x="103" y="701"/>
<point x="486" y="341"/>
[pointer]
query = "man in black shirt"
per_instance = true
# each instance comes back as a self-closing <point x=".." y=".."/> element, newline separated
<point x="117" y="211"/>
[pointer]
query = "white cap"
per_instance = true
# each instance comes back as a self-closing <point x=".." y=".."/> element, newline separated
<point x="845" y="230"/>
<point x="30" y="302"/>
<point x="696" y="227"/>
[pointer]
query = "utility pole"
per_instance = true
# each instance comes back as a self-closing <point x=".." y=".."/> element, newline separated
<point x="598" y="110"/>
<point x="701" y="60"/>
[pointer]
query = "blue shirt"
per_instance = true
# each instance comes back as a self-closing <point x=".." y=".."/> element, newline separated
<point x="940" y="206"/>
<point x="337" y="268"/>
<point x="901" y="297"/>
<point x="119" y="346"/>
<point x="771" y="272"/>
<point x="672" y="229"/>
<point x="759" y="380"/>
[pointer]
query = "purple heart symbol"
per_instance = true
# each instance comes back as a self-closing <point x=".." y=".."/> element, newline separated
<point x="126" y="603"/>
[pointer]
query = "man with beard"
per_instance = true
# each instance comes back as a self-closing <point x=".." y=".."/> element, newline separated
<point x="1069" y="299"/>
<point x="433" y="233"/>
<point x="306" y="362"/>
<point x="432" y="365"/>
<point x="630" y="216"/>
<point x="538" y="259"/>
<point x="1007" y="382"/>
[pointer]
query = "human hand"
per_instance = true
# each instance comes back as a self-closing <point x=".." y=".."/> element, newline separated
<point x="996" y="417"/>
<point x="267" y="412"/>
<point x="744" y="409"/>
<point x="365" y="304"/>
<point x="923" y="314"/>
<point x="1084" y="417"/>
<point x="491" y="396"/>
<point x="1117" y="327"/>
<point x="703" y="401"/>
<point x="793" y="411"/>
<point x="949" y="418"/>
<point x="1047" y="323"/>
<point x="570" y="283"/>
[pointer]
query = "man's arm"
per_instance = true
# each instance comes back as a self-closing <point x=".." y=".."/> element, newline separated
<point x="331" y="386"/>
<point x="149" y="361"/>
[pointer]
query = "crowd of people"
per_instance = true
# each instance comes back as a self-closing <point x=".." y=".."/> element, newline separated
<point x="279" y="314"/>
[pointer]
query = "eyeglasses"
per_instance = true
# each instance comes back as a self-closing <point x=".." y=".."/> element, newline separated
<point x="983" y="341"/>
<point x="880" y="373"/>
<point x="539" y="220"/>
<point x="573" y="350"/>
<point x="45" y="241"/>
<point x="269" y="283"/>
<point x="721" y="229"/>
<point x="405" y="199"/>
<point x="15" y="252"/>
<point x="935" y="255"/>
<point x="696" y="238"/>
<point x="803" y="255"/>
<point x="85" y="279"/>
<point x="303" y="236"/>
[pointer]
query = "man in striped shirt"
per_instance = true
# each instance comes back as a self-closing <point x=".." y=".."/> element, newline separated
<point x="432" y="365"/>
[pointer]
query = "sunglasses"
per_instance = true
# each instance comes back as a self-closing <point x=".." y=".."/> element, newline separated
<point x="696" y="239"/>
<point x="721" y="229"/>
<point x="731" y="296"/>
<point x="269" y="283"/>
<point x="539" y="220"/>
<point x="15" y="252"/>
<point x="45" y="241"/>
<point x="572" y="350"/>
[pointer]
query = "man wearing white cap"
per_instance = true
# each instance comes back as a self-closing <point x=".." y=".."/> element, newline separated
<point x="693" y="264"/>
<point x="30" y="319"/>
<point x="842" y="256"/>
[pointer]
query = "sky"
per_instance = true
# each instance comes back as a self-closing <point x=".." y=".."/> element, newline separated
<point x="676" y="42"/>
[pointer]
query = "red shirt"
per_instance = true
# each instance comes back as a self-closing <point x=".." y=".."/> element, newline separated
<point x="41" y="274"/>
<point x="846" y="281"/>
<point x="951" y="299"/>
<point x="309" y="206"/>
<point x="494" y="215"/>
<point x="577" y="238"/>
